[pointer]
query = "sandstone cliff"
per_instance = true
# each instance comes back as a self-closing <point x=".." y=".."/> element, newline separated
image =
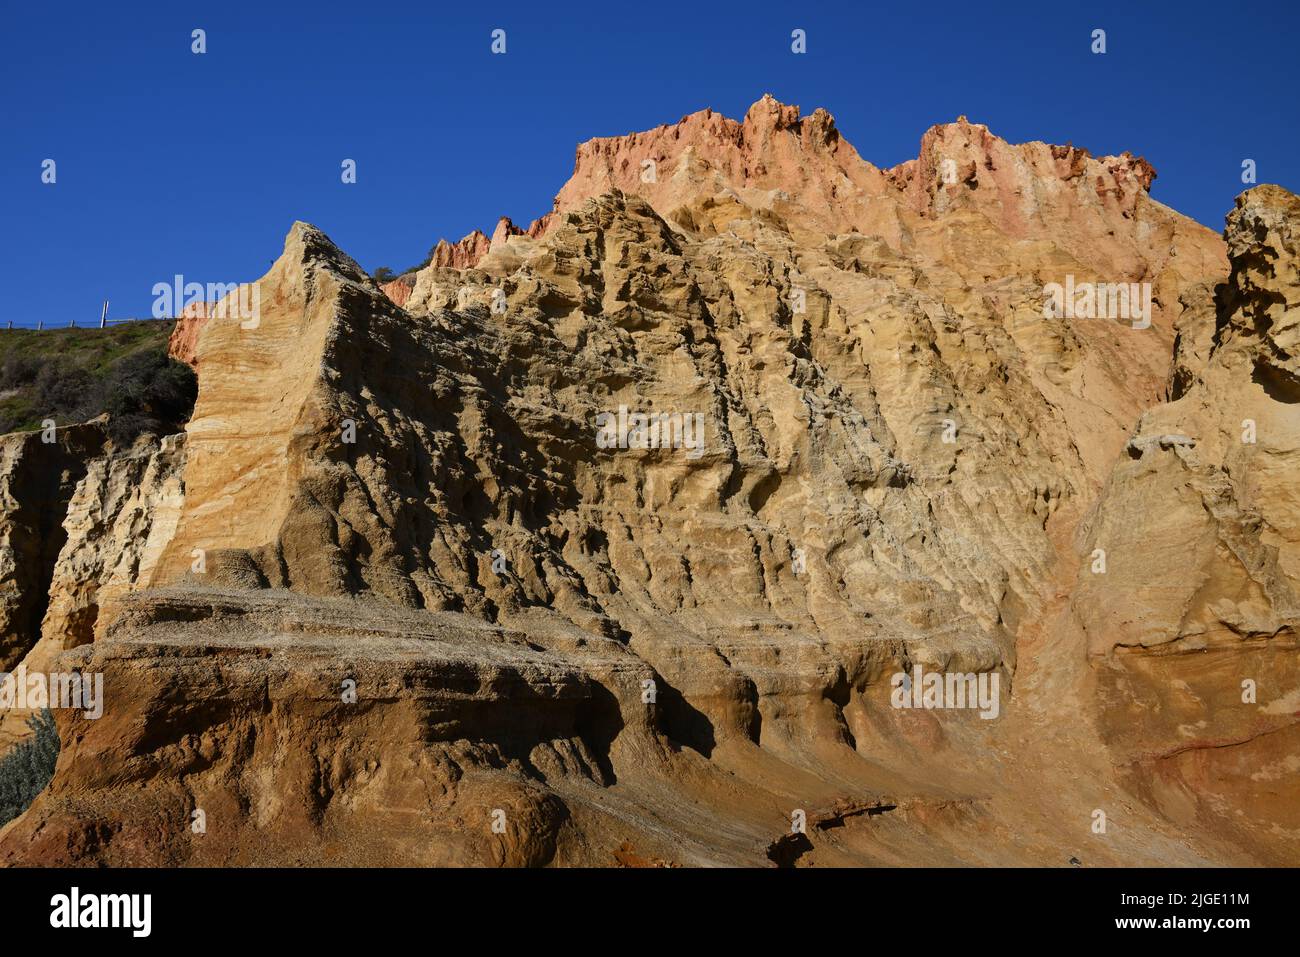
<point x="393" y="601"/>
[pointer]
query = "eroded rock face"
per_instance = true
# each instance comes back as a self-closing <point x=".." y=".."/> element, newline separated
<point x="122" y="513"/>
<point x="113" y="510"/>
<point x="398" y="290"/>
<point x="878" y="455"/>
<point x="1195" y="615"/>
<point x="1207" y="477"/>
<point x="452" y="719"/>
<point x="184" y="339"/>
<point x="37" y="479"/>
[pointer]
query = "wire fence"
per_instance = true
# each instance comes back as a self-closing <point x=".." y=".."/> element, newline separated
<point x="103" y="323"/>
<point x="11" y="326"/>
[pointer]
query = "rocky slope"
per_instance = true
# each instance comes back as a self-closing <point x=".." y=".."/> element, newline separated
<point x="396" y="598"/>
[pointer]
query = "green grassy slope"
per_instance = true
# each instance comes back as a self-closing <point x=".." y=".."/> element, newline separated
<point x="71" y="375"/>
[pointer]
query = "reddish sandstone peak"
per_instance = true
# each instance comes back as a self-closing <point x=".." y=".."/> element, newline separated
<point x="799" y="169"/>
<point x="463" y="254"/>
<point x="505" y="228"/>
<point x="769" y="116"/>
<point x="702" y="154"/>
<point x="539" y="225"/>
<point x="776" y="159"/>
<point x="1137" y="167"/>
<point x="963" y="142"/>
<point x="768" y="113"/>
<point x="1092" y="205"/>
<point x="399" y="290"/>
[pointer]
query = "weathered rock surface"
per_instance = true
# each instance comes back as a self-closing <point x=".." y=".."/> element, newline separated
<point x="37" y="480"/>
<point x="124" y="510"/>
<point x="108" y="529"/>
<point x="1196" y="612"/>
<point x="184" y="339"/>
<point x="643" y="653"/>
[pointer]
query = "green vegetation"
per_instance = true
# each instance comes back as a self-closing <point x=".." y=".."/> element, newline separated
<point x="71" y="375"/>
<point x="26" y="769"/>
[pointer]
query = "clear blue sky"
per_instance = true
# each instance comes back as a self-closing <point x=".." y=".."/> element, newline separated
<point x="168" y="162"/>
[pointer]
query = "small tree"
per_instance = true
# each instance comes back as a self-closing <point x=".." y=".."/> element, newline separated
<point x="27" y="769"/>
<point x="383" y="274"/>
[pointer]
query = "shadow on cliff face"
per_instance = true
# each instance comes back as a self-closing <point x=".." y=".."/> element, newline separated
<point x="447" y="456"/>
<point x="39" y="478"/>
<point x="598" y="722"/>
<point x="1279" y="386"/>
<point x="684" y="723"/>
<point x="787" y="851"/>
